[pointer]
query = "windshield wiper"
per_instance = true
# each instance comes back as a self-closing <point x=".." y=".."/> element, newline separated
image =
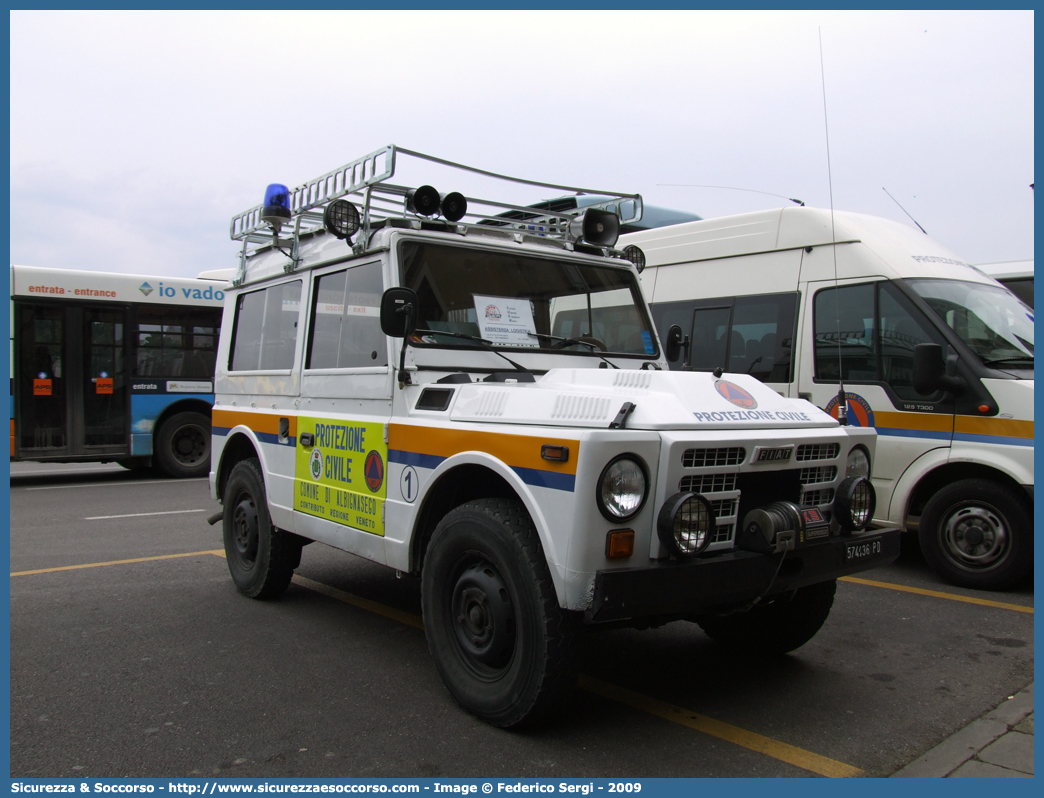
<point x="488" y="344"/>
<point x="1013" y="359"/>
<point x="562" y="343"/>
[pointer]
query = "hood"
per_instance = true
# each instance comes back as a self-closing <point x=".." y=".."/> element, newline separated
<point x="663" y="400"/>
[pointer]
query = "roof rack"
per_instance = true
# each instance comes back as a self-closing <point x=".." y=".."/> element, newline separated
<point x="365" y="178"/>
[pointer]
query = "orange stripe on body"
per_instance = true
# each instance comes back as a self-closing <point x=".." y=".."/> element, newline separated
<point x="930" y="422"/>
<point x="258" y="421"/>
<point x="522" y="451"/>
<point x="1002" y="427"/>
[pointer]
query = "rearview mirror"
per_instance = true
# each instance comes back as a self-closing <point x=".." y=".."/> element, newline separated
<point x="673" y="345"/>
<point x="398" y="312"/>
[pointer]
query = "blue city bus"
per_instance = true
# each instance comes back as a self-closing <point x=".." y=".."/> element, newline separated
<point x="113" y="368"/>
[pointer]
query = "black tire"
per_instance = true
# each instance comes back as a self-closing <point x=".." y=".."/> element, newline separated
<point x="134" y="463"/>
<point x="261" y="557"/>
<point x="182" y="445"/>
<point x="501" y="643"/>
<point x="979" y="534"/>
<point x="771" y="629"/>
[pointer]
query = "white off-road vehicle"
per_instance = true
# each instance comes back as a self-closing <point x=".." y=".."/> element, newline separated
<point x="472" y="392"/>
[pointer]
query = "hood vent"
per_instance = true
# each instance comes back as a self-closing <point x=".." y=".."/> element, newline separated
<point x="580" y="408"/>
<point x="492" y="403"/>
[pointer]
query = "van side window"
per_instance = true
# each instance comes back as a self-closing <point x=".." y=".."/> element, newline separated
<point x="346" y="323"/>
<point x="265" y="333"/>
<point x="761" y="336"/>
<point x="710" y="338"/>
<point x="879" y="329"/>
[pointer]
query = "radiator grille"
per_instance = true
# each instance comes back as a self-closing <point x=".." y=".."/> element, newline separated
<point x="817" y="451"/>
<point x="704" y="458"/>
<point x="723" y="534"/>
<point x="817" y="474"/>
<point x="707" y="483"/>
<point x="724" y="508"/>
<point x="821" y="496"/>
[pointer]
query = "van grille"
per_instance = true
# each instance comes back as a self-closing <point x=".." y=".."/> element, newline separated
<point x="818" y="497"/>
<point x="706" y="458"/>
<point x="817" y="451"/>
<point x="817" y="474"/>
<point x="707" y="483"/>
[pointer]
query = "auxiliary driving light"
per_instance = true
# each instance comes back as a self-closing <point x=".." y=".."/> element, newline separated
<point x="276" y="209"/>
<point x="454" y="206"/>
<point x="636" y="256"/>
<point x="622" y="488"/>
<point x="341" y="218"/>
<point x="685" y="523"/>
<point x="597" y="227"/>
<point x="854" y="503"/>
<point x="423" y="201"/>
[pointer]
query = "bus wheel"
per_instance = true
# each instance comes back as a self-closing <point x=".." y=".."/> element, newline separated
<point x="500" y="641"/>
<point x="979" y="534"/>
<point x="183" y="445"/>
<point x="776" y="627"/>
<point x="261" y="557"/>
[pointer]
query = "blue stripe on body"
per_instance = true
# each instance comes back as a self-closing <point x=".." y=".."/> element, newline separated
<point x="546" y="479"/>
<point x="414" y="459"/>
<point x="895" y="432"/>
<point x="1001" y="439"/>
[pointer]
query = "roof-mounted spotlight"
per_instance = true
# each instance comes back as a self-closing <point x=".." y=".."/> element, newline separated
<point x="453" y="206"/>
<point x="597" y="227"/>
<point x="276" y="209"/>
<point x="342" y="219"/>
<point x="423" y="201"/>
<point x="636" y="256"/>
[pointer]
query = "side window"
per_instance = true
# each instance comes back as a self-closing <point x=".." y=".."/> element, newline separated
<point x="761" y="336"/>
<point x="265" y="334"/>
<point x="346" y="324"/>
<point x="176" y="345"/>
<point x="844" y="331"/>
<point x="901" y="329"/>
<point x="710" y="338"/>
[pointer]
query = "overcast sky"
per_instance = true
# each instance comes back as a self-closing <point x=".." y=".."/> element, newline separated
<point x="135" y="137"/>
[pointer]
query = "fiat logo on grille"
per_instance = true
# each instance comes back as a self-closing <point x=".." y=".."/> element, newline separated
<point x="731" y="392"/>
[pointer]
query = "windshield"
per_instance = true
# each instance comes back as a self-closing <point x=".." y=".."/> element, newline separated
<point x="990" y="320"/>
<point x="517" y="301"/>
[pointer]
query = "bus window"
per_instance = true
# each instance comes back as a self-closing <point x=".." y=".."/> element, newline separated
<point x="176" y="344"/>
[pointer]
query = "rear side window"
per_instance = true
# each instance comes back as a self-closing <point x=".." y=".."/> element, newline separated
<point x="265" y="333"/>
<point x="346" y="320"/>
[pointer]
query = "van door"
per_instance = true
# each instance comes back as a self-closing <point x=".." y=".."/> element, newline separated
<point x="864" y="333"/>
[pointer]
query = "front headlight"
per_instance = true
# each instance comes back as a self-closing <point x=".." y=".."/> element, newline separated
<point x="622" y="488"/>
<point x="858" y="463"/>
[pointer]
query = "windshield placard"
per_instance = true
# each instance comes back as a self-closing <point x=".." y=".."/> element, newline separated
<point x="505" y="320"/>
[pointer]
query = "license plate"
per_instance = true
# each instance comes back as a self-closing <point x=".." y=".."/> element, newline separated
<point x="863" y="549"/>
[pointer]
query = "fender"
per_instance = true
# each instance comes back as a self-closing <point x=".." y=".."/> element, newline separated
<point x="281" y="516"/>
<point x="899" y="505"/>
<point x="515" y="482"/>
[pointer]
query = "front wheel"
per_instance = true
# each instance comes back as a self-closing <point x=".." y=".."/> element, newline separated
<point x="261" y="557"/>
<point x="500" y="641"/>
<point x="777" y="627"/>
<point x="979" y="534"/>
<point x="182" y="445"/>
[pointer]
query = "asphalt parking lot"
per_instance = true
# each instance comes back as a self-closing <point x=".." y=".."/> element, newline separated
<point x="132" y="654"/>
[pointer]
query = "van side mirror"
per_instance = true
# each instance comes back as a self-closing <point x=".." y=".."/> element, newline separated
<point x="398" y="312"/>
<point x="674" y="343"/>
<point x="929" y="371"/>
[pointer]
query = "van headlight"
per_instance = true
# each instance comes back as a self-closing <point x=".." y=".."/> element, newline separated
<point x="622" y="488"/>
<point x="858" y="464"/>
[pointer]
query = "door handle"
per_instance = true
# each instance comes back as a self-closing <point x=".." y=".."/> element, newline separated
<point x="307" y="439"/>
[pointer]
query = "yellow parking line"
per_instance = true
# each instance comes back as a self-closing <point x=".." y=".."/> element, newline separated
<point x="715" y="728"/>
<point x="723" y="731"/>
<point x="114" y="562"/>
<point x="938" y="594"/>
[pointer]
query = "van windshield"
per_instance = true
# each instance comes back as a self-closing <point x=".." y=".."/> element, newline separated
<point x="994" y="324"/>
<point x="517" y="301"/>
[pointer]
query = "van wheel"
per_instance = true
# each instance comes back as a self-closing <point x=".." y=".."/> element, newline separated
<point x="501" y="643"/>
<point x="261" y="557"/>
<point x="772" y="629"/>
<point x="979" y="534"/>
<point x="183" y="445"/>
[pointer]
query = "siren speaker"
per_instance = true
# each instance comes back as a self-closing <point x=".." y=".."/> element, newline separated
<point x="597" y="227"/>
<point x="423" y="201"/>
<point x="454" y="206"/>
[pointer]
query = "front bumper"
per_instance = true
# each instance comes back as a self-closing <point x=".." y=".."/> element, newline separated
<point x="732" y="578"/>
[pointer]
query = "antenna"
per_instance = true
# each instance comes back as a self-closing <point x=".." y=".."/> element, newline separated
<point x="734" y="188"/>
<point x="842" y="401"/>
<point x="885" y="190"/>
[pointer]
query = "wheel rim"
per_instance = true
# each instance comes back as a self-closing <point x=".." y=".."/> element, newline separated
<point x="189" y="445"/>
<point x="975" y="537"/>
<point x="244" y="530"/>
<point x="483" y="619"/>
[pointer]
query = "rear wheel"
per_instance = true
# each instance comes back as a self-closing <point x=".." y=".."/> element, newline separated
<point x="777" y="627"/>
<point x="977" y="533"/>
<point x="261" y="557"/>
<point x="500" y="641"/>
<point x="182" y="445"/>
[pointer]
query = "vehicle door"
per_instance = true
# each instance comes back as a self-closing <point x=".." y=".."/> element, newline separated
<point x="864" y="332"/>
<point x="346" y="390"/>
